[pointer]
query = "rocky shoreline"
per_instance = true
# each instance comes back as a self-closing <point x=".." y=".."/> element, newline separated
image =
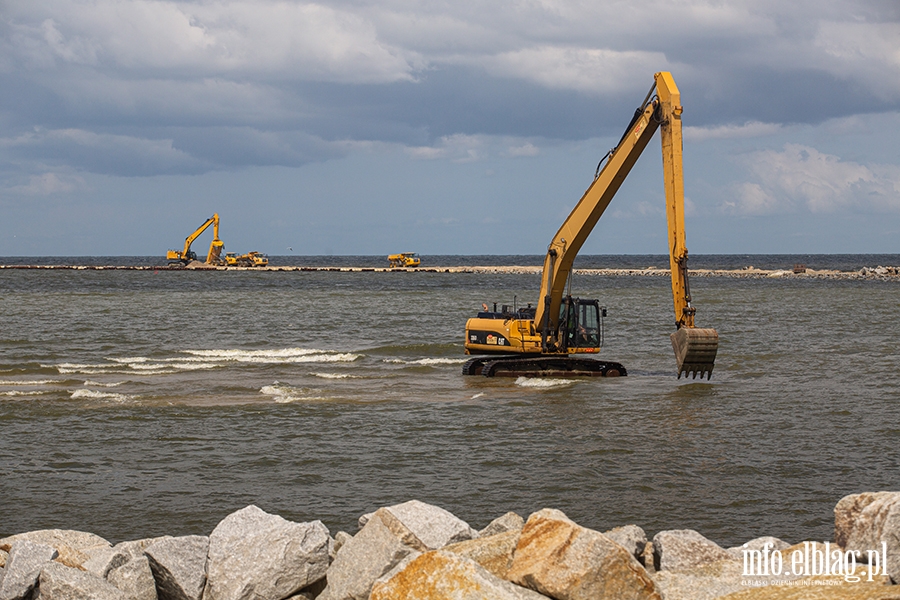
<point x="865" y="273"/>
<point x="417" y="551"/>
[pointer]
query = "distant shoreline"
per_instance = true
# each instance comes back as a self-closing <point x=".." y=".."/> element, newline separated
<point x="866" y="273"/>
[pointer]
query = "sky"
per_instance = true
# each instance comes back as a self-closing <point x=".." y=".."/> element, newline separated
<point x="464" y="127"/>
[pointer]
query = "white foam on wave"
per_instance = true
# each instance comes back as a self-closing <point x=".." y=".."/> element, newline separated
<point x="98" y="384"/>
<point x="27" y="382"/>
<point x="281" y="393"/>
<point x="335" y="375"/>
<point x="17" y="393"/>
<point x="95" y="395"/>
<point x="426" y="361"/>
<point x="172" y="367"/>
<point x="196" y="360"/>
<point x="542" y="382"/>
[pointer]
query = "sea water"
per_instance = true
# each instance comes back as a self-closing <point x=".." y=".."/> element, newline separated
<point x="142" y="403"/>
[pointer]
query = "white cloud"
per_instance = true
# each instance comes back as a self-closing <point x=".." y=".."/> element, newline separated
<point x="48" y="184"/>
<point x="458" y="148"/>
<point x="592" y="70"/>
<point x="286" y="40"/>
<point x="801" y="178"/>
<point x="526" y="149"/>
<point x="865" y="52"/>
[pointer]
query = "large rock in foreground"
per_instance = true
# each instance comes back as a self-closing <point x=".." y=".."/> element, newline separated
<point x="444" y="575"/>
<point x="561" y="559"/>
<point x="26" y="559"/>
<point x="365" y="557"/>
<point x="870" y="522"/>
<point x="259" y="556"/>
<point x="493" y="552"/>
<point x="59" y="582"/>
<point x="685" y="548"/>
<point x="73" y="547"/>
<point x="179" y="566"/>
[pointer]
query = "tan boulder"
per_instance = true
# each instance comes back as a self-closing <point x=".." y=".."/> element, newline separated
<point x="493" y="552"/>
<point x="848" y="509"/>
<point x="561" y="559"/>
<point x="72" y="546"/>
<point x="870" y="524"/>
<point x="443" y="575"/>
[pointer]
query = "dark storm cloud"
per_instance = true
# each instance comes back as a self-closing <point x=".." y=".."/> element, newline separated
<point x="154" y="86"/>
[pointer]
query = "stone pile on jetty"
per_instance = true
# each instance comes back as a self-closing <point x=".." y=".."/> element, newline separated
<point x="416" y="551"/>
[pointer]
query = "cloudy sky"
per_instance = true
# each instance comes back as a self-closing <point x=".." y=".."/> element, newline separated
<point x="463" y="127"/>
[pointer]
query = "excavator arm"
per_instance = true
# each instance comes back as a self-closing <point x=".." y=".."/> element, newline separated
<point x="695" y="349"/>
<point x="215" y="248"/>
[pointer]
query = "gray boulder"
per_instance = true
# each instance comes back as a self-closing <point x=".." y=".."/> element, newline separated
<point x="365" y="557"/>
<point x="508" y="522"/>
<point x="432" y="526"/>
<point x="685" y="548"/>
<point x="630" y="537"/>
<point x="870" y="524"/>
<point x="254" y="555"/>
<point x="340" y="538"/>
<point x="702" y="582"/>
<point x="135" y="579"/>
<point x="179" y="566"/>
<point x="429" y="526"/>
<point x="102" y="560"/>
<point x="70" y="545"/>
<point x="26" y="559"/>
<point x="59" y="582"/>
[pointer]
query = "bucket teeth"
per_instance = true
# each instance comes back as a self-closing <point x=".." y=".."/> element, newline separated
<point x="695" y="351"/>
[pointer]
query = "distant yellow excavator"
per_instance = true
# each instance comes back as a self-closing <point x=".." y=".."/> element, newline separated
<point x="544" y="340"/>
<point x="187" y="255"/>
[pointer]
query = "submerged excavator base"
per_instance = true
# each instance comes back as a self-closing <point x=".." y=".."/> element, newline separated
<point x="542" y="366"/>
<point x="695" y="351"/>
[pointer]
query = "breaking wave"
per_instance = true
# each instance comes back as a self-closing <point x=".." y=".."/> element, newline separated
<point x="95" y="395"/>
<point x="197" y="360"/>
<point x="541" y="382"/>
<point x="427" y="361"/>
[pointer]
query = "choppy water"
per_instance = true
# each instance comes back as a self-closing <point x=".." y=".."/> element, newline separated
<point x="137" y="403"/>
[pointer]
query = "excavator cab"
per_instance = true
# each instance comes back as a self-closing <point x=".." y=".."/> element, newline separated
<point x="580" y="324"/>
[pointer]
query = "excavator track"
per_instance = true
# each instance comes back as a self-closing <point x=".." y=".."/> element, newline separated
<point x="544" y="366"/>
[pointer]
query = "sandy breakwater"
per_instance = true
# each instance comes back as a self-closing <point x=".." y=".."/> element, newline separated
<point x="865" y="273"/>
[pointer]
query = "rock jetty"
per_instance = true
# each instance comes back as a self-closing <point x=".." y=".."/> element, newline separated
<point x="749" y="272"/>
<point x="416" y="551"/>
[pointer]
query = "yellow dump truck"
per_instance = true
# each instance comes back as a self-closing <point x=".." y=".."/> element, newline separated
<point x="251" y="259"/>
<point x="404" y="259"/>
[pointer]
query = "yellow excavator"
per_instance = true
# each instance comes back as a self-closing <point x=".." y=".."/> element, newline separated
<point x="546" y="339"/>
<point x="187" y="255"/>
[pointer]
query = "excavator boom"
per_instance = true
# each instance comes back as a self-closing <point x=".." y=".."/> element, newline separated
<point x="559" y="320"/>
<point x="213" y="257"/>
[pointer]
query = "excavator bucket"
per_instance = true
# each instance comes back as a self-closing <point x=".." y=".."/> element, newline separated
<point x="695" y="351"/>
